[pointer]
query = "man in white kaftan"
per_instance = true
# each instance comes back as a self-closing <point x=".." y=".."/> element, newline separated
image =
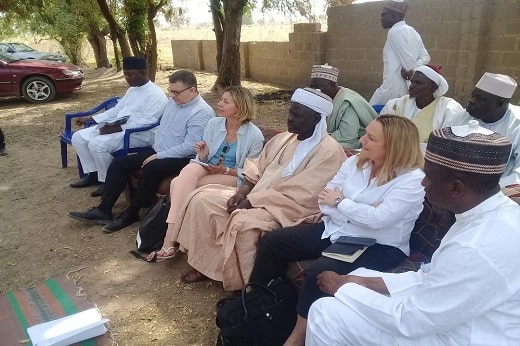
<point x="142" y="103"/>
<point x="403" y="51"/>
<point x="490" y="105"/>
<point x="470" y="292"/>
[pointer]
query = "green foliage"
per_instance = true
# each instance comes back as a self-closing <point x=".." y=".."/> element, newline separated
<point x="66" y="21"/>
<point x="176" y="16"/>
<point x="135" y="22"/>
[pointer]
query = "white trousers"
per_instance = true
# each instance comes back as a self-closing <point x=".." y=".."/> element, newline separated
<point x="333" y="323"/>
<point x="95" y="150"/>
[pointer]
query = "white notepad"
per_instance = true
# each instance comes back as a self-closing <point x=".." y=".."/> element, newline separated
<point x="69" y="329"/>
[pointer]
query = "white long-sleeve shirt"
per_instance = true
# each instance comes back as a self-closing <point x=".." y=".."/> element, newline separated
<point x="508" y="126"/>
<point x="399" y="203"/>
<point x="143" y="105"/>
<point x="403" y="48"/>
<point x="468" y="295"/>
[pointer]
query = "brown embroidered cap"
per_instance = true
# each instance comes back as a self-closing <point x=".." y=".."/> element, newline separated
<point x="473" y="149"/>
<point x="325" y="72"/>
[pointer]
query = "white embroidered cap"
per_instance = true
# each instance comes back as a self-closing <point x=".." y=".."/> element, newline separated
<point x="497" y="84"/>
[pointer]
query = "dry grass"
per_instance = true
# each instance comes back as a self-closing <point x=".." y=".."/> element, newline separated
<point x="275" y="32"/>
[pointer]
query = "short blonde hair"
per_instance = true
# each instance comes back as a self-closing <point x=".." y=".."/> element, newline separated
<point x="244" y="100"/>
<point x="403" y="149"/>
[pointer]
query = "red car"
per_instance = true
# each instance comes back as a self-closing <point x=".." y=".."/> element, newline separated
<point x="37" y="80"/>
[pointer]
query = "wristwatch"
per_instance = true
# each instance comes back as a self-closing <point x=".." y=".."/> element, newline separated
<point x="337" y="201"/>
<point x="227" y="171"/>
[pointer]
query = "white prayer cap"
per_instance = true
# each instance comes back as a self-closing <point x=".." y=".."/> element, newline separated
<point x="399" y="6"/>
<point x="497" y="84"/>
<point x="325" y="72"/>
<point x="314" y="99"/>
<point x="431" y="74"/>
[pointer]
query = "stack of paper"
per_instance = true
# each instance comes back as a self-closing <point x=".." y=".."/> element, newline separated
<point x="69" y="329"/>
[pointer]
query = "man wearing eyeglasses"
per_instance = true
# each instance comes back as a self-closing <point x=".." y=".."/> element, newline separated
<point x="182" y="124"/>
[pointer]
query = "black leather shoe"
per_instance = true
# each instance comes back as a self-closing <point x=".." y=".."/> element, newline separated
<point x="97" y="192"/>
<point x="88" y="180"/>
<point x="123" y="220"/>
<point x="91" y="215"/>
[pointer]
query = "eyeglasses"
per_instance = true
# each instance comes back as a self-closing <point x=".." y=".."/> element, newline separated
<point x="177" y="93"/>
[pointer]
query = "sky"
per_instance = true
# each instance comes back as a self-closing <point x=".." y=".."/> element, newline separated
<point x="198" y="11"/>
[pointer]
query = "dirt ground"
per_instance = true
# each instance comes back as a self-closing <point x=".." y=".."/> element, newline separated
<point x="145" y="302"/>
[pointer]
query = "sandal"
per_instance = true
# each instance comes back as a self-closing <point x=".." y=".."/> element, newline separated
<point x="193" y="275"/>
<point x="167" y="253"/>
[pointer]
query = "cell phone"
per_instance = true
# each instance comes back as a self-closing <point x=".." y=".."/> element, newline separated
<point x="118" y="122"/>
<point x="203" y="164"/>
<point x="356" y="240"/>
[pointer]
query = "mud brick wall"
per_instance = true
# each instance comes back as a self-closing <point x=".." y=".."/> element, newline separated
<point x="465" y="37"/>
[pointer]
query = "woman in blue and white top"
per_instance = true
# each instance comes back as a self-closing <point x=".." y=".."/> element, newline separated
<point x="228" y="140"/>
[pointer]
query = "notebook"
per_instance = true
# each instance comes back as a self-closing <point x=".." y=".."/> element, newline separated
<point x="348" y="248"/>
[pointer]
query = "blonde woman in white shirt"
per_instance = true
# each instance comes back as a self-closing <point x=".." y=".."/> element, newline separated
<point x="376" y="194"/>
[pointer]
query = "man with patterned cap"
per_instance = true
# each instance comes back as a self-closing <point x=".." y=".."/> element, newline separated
<point x="425" y="104"/>
<point x="351" y="113"/>
<point x="219" y="225"/>
<point x="470" y="292"/>
<point x="403" y="51"/>
<point x="141" y="105"/>
<point x="490" y="105"/>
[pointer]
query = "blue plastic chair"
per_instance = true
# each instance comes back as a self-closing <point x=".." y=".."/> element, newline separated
<point x="66" y="135"/>
<point x="378" y="108"/>
<point x="126" y="141"/>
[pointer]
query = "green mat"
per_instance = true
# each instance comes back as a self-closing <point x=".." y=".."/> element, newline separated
<point x="54" y="298"/>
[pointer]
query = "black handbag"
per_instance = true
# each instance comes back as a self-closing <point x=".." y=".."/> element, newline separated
<point x="151" y="234"/>
<point x="264" y="316"/>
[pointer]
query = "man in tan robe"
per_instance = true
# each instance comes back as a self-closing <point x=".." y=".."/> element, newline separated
<point x="219" y="226"/>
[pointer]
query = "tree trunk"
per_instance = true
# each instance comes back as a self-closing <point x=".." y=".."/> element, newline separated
<point x="72" y="47"/>
<point x="134" y="44"/>
<point x="229" y="70"/>
<point x="151" y="49"/>
<point x="115" y="28"/>
<point x="218" y="26"/>
<point x="117" y="56"/>
<point x="97" y="40"/>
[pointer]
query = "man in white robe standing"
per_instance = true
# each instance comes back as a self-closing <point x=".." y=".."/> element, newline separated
<point x="141" y="105"/>
<point x="403" y="51"/>
<point x="470" y="292"/>
<point x="490" y="105"/>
